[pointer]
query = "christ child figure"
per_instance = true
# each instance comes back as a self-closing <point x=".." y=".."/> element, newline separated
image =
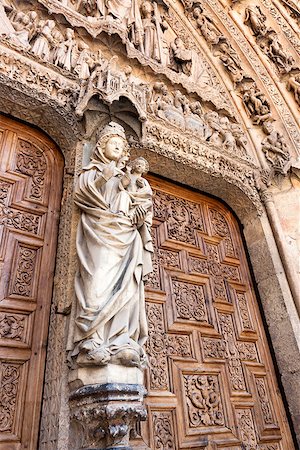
<point x="134" y="199"/>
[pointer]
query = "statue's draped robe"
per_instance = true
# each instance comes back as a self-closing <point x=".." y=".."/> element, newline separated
<point x="114" y="256"/>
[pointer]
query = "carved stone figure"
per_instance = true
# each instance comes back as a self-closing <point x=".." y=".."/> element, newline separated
<point x="118" y="9"/>
<point x="182" y="57"/>
<point x="293" y="84"/>
<point x="229" y="142"/>
<point x="214" y="127"/>
<point x="255" y="19"/>
<point x="85" y="62"/>
<point x="256" y="103"/>
<point x="6" y="28"/>
<point x="276" y="53"/>
<point x="239" y="136"/>
<point x="25" y="26"/>
<point x="208" y="29"/>
<point x="43" y="42"/>
<point x="114" y="254"/>
<point x="275" y="148"/>
<point x="194" y="119"/>
<point x="150" y="42"/>
<point x="69" y="47"/>
<point x="231" y="61"/>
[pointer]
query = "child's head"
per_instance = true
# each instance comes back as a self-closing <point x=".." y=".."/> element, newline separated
<point x="139" y="165"/>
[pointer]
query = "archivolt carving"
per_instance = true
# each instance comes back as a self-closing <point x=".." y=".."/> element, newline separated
<point x="286" y="28"/>
<point x="257" y="65"/>
<point x="268" y="40"/>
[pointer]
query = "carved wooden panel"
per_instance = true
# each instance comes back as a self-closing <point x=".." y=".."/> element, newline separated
<point x="211" y="381"/>
<point x="29" y="166"/>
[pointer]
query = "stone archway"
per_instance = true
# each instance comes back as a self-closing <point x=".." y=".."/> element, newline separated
<point x="31" y="181"/>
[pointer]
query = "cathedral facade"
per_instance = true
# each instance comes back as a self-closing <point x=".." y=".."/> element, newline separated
<point x="207" y="94"/>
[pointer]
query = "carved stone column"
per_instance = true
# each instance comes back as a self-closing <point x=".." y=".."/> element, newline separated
<point x="104" y="415"/>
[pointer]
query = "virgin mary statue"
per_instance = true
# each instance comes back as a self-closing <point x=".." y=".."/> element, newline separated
<point x="114" y="254"/>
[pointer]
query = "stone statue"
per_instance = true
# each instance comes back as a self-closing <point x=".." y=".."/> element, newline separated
<point x="208" y="29"/>
<point x="256" y="103"/>
<point x="293" y="84"/>
<point x="231" y="61"/>
<point x="150" y="41"/>
<point x="182" y="57"/>
<point x="114" y="250"/>
<point x="255" y="19"/>
<point x="275" y="148"/>
<point x="43" y="42"/>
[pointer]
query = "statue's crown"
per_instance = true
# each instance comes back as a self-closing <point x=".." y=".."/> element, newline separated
<point x="112" y="129"/>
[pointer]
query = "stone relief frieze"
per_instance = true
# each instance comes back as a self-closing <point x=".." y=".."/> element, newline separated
<point x="152" y="35"/>
<point x="189" y="151"/>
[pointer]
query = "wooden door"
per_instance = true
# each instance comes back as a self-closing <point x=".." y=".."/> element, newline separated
<point x="211" y="381"/>
<point x="30" y="191"/>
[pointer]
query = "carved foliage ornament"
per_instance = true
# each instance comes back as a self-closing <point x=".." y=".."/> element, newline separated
<point x="203" y="400"/>
<point x="9" y="375"/>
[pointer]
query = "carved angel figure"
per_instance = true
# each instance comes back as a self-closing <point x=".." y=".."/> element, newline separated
<point x="114" y="254"/>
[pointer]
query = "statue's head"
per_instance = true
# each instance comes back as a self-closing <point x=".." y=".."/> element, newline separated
<point x="139" y="165"/>
<point x="112" y="144"/>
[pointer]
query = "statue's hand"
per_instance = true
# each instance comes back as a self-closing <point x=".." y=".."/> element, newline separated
<point x="140" y="182"/>
<point x="139" y="216"/>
